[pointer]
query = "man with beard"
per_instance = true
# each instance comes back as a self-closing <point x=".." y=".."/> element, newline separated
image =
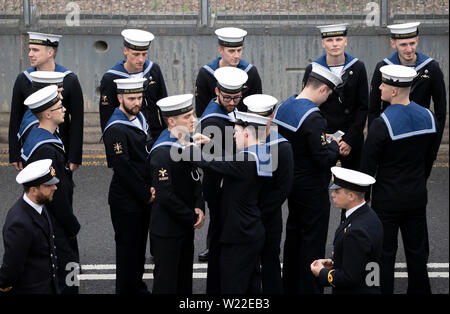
<point x="217" y="123"/>
<point x="231" y="41"/>
<point x="127" y="143"/>
<point x="43" y="143"/>
<point x="301" y="123"/>
<point x="29" y="259"/>
<point x="179" y="207"/>
<point x="42" y="53"/>
<point x="135" y="65"/>
<point x="429" y="83"/>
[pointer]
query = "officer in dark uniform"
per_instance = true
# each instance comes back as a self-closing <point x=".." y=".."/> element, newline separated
<point x="231" y="41"/>
<point x="40" y="79"/>
<point x="274" y="193"/>
<point x="346" y="108"/>
<point x="217" y="122"/>
<point x="358" y="242"/>
<point x="42" y="55"/>
<point x="400" y="149"/>
<point x="241" y="234"/>
<point x="301" y="123"/>
<point x="135" y="65"/>
<point x="179" y="208"/>
<point x="127" y="143"/>
<point x="43" y="143"/>
<point x="429" y="83"/>
<point x="29" y="261"/>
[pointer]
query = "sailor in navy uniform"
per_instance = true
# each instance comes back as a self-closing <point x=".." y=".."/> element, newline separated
<point x="231" y="41"/>
<point x="241" y="233"/>
<point x="358" y="241"/>
<point x="428" y="84"/>
<point x="179" y="207"/>
<point x="301" y="123"/>
<point x="217" y="122"/>
<point x="40" y="79"/>
<point x="135" y="65"/>
<point x="43" y="143"/>
<point x="127" y="144"/>
<point x="346" y="108"/>
<point x="399" y="151"/>
<point x="274" y="193"/>
<point x="42" y="55"/>
<point x="29" y="260"/>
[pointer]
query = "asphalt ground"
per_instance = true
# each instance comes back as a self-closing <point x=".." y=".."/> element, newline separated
<point x="96" y="239"/>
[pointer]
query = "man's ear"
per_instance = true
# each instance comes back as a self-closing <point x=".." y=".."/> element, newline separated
<point x="216" y="90"/>
<point x="220" y="50"/>
<point x="119" y="98"/>
<point x="392" y="42"/>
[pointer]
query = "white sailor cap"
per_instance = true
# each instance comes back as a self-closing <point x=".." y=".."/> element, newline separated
<point x="397" y="75"/>
<point x="175" y="105"/>
<point x="351" y="179"/>
<point x="130" y="85"/>
<point x="324" y="75"/>
<point x="230" y="79"/>
<point x="260" y="104"/>
<point x="137" y="39"/>
<point x="405" y="30"/>
<point x="333" y="30"/>
<point x="246" y="118"/>
<point x="231" y="36"/>
<point x="42" y="99"/>
<point x="37" y="173"/>
<point x="44" y="78"/>
<point x="44" y="39"/>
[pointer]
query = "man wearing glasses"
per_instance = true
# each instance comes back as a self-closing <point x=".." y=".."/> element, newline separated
<point x="43" y="143"/>
<point x="217" y="122"/>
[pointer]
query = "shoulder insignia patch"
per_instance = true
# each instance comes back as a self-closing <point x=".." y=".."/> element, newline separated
<point x="163" y="175"/>
<point x="118" y="148"/>
<point x="104" y="99"/>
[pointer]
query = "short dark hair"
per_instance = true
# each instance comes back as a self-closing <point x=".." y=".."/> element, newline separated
<point x="314" y="83"/>
<point x="359" y="195"/>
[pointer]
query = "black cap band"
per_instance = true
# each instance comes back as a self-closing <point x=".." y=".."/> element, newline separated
<point x="134" y="47"/>
<point x="405" y="36"/>
<point x="228" y="91"/>
<point x="177" y="112"/>
<point x="323" y="80"/>
<point x="42" y="180"/>
<point x="130" y="90"/>
<point x="395" y="83"/>
<point x="231" y="44"/>
<point x="264" y="114"/>
<point x="40" y="85"/>
<point x="334" y="34"/>
<point x="350" y="186"/>
<point x="43" y="42"/>
<point x="46" y="105"/>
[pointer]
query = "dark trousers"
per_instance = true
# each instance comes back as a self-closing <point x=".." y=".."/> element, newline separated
<point x="213" y="272"/>
<point x="68" y="261"/>
<point x="270" y="258"/>
<point x="131" y="229"/>
<point x="306" y="237"/>
<point x="173" y="264"/>
<point x="353" y="160"/>
<point x="238" y="267"/>
<point x="413" y="226"/>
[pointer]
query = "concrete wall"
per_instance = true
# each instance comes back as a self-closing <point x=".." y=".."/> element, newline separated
<point x="280" y="54"/>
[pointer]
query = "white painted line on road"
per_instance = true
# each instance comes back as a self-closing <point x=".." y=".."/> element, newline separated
<point x="430" y="274"/>
<point x="205" y="266"/>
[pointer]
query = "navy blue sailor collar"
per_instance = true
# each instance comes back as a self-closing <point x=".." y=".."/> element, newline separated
<point x="291" y="113"/>
<point x="422" y="60"/>
<point x="118" y="117"/>
<point x="214" y="109"/>
<point x="274" y="138"/>
<point x="166" y="138"/>
<point x="263" y="159"/>
<point x="36" y="138"/>
<point x="214" y="65"/>
<point x="407" y="121"/>
<point x="119" y="69"/>
<point x="349" y="61"/>
<point x="58" y="68"/>
<point x="29" y="120"/>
